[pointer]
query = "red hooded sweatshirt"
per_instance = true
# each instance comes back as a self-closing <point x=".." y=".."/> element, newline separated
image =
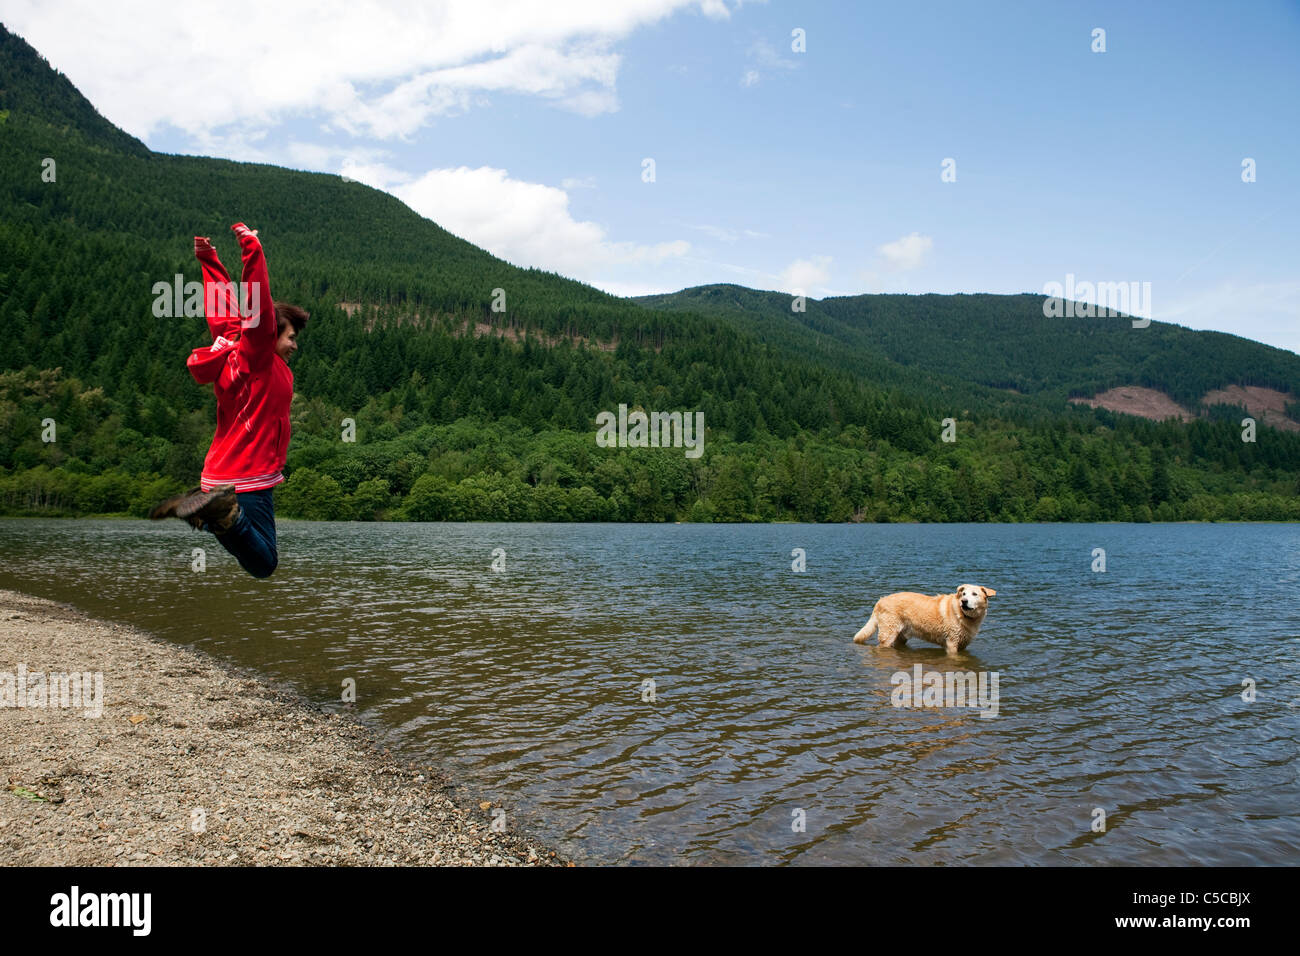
<point x="254" y="385"/>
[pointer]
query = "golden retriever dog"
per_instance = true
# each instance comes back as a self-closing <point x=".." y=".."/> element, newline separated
<point x="951" y="620"/>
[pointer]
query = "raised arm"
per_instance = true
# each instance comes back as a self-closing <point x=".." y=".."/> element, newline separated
<point x="258" y="335"/>
<point x="220" y="305"/>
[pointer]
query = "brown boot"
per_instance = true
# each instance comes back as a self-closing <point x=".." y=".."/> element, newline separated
<point x="183" y="506"/>
<point x="221" y="512"/>
<point x="196" y="506"/>
<point x="167" y="507"/>
<point x="227" y="521"/>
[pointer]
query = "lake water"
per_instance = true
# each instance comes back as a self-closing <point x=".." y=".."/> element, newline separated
<point x="771" y="737"/>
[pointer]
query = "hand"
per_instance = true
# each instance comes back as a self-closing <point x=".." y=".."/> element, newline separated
<point x="240" y="229"/>
<point x="202" y="245"/>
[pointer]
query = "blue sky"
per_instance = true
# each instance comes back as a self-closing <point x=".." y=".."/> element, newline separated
<point x="523" y="127"/>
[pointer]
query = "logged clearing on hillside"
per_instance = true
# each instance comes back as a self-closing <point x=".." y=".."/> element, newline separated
<point x="1135" y="400"/>
<point x="1268" y="405"/>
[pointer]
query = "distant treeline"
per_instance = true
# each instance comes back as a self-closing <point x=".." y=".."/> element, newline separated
<point x="111" y="458"/>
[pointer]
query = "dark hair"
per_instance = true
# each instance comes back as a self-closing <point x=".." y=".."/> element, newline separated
<point x="286" y="314"/>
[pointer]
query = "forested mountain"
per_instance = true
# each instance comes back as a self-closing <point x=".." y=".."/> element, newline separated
<point x="31" y="86"/>
<point x="998" y="341"/>
<point x="464" y="412"/>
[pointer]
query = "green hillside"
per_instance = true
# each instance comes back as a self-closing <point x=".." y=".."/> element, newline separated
<point x="463" y="412"/>
<point x="32" y="87"/>
<point x="997" y="341"/>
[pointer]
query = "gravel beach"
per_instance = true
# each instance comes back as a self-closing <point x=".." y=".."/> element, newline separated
<point x="193" y="763"/>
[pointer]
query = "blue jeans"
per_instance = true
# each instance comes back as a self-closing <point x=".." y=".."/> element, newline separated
<point x="251" y="539"/>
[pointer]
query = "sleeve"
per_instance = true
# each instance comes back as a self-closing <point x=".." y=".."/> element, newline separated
<point x="220" y="305"/>
<point x="258" y="334"/>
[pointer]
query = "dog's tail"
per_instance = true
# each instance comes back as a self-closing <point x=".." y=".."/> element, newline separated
<point x="867" y="630"/>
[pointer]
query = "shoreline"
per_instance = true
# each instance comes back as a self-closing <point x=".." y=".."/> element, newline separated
<point x="195" y="762"/>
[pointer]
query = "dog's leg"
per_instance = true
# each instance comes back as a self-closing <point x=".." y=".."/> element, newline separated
<point x="891" y="633"/>
<point x="867" y="630"/>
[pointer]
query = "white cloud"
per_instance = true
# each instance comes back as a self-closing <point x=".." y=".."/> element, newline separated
<point x="906" y="253"/>
<point x="382" y="68"/>
<point x="379" y="175"/>
<point x="716" y="9"/>
<point x="765" y="54"/>
<point x="802" y="276"/>
<point x="762" y="54"/>
<point x="528" y="224"/>
<point x="319" y="157"/>
<point x="582" y="81"/>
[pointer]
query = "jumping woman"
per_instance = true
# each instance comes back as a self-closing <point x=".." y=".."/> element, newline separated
<point x="248" y="367"/>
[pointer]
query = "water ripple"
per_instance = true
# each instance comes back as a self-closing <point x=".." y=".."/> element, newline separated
<point x="767" y="736"/>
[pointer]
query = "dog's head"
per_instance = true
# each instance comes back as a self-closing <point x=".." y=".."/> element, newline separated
<point x="973" y="599"/>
